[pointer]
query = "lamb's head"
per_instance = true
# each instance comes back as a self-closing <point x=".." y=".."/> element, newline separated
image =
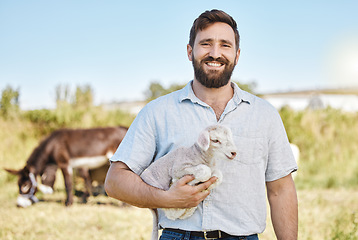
<point x="216" y="141"/>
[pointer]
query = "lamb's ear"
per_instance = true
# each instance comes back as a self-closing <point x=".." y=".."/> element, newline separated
<point x="204" y="140"/>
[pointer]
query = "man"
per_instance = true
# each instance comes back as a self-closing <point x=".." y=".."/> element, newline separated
<point x="237" y="208"/>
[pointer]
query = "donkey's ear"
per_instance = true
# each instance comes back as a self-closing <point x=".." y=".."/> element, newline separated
<point x="14" y="172"/>
<point x="204" y="140"/>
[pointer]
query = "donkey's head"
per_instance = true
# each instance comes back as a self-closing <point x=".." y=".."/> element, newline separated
<point x="27" y="186"/>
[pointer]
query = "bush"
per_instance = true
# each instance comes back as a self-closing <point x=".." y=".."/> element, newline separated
<point x="327" y="140"/>
<point x="9" y="102"/>
<point x="71" y="117"/>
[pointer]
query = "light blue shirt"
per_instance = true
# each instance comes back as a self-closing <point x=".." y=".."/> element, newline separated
<point x="238" y="205"/>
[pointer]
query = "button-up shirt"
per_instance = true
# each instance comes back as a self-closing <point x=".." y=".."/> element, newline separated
<point x="238" y="205"/>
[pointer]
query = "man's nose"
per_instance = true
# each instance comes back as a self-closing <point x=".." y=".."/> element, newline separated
<point x="215" y="51"/>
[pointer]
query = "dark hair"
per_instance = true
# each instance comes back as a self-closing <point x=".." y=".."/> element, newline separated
<point x="208" y="18"/>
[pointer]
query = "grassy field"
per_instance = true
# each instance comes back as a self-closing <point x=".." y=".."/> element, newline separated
<point x="327" y="182"/>
<point x="323" y="214"/>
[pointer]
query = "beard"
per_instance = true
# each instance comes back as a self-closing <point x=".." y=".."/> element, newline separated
<point x="213" y="78"/>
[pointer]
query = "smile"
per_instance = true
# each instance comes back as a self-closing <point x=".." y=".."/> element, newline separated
<point x="214" y="64"/>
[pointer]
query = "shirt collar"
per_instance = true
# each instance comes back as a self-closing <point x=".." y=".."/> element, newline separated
<point x="187" y="93"/>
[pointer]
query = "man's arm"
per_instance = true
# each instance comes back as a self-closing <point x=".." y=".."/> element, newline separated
<point x="123" y="184"/>
<point x="284" y="207"/>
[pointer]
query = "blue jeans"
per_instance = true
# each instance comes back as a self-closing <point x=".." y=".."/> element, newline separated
<point x="169" y="235"/>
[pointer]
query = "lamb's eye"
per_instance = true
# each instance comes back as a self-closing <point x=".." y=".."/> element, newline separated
<point x="215" y="141"/>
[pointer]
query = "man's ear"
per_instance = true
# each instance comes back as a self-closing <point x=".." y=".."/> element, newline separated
<point x="204" y="140"/>
<point x="237" y="56"/>
<point x="189" y="51"/>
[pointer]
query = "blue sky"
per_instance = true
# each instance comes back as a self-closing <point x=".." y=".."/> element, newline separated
<point x="119" y="47"/>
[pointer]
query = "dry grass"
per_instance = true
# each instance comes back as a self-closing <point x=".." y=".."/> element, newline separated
<point x="321" y="214"/>
<point x="101" y="218"/>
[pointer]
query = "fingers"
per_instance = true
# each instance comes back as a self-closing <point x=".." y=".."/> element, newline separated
<point x="202" y="195"/>
<point x="184" y="195"/>
<point x="185" y="180"/>
<point x="200" y="187"/>
<point x="205" y="185"/>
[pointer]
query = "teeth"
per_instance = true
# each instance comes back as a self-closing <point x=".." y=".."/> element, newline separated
<point x="214" y="64"/>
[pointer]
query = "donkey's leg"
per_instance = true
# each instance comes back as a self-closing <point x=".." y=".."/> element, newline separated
<point x="67" y="175"/>
<point x="84" y="173"/>
<point x="62" y="158"/>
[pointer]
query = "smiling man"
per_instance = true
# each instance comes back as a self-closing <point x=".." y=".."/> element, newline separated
<point x="264" y="162"/>
<point x="215" y="56"/>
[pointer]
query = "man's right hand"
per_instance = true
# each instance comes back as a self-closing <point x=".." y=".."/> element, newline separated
<point x="182" y="195"/>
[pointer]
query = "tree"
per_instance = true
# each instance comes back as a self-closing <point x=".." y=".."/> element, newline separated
<point x="62" y="94"/>
<point x="9" y="103"/>
<point x="248" y="87"/>
<point x="156" y="90"/>
<point x="83" y="97"/>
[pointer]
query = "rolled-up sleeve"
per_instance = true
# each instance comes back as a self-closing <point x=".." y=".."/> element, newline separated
<point x="138" y="148"/>
<point x="281" y="161"/>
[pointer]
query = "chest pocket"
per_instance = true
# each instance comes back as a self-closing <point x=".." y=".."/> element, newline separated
<point x="250" y="150"/>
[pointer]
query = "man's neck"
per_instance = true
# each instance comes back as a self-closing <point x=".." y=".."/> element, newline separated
<point x="216" y="98"/>
<point x="213" y="96"/>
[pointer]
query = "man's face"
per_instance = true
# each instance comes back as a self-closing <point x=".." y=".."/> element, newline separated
<point x="214" y="55"/>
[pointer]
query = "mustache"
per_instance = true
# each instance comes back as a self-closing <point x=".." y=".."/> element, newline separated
<point x="219" y="59"/>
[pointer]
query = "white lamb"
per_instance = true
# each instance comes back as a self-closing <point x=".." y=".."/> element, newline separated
<point x="214" y="144"/>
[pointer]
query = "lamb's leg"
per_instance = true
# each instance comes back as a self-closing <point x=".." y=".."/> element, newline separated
<point x="219" y="175"/>
<point x="201" y="172"/>
<point x="174" y="213"/>
<point x="155" y="224"/>
<point x="188" y="212"/>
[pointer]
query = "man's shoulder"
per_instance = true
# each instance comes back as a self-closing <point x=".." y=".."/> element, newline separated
<point x="162" y="104"/>
<point x="170" y="98"/>
<point x="257" y="101"/>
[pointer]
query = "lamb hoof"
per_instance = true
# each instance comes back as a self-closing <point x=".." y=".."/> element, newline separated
<point x="188" y="213"/>
<point x="174" y="213"/>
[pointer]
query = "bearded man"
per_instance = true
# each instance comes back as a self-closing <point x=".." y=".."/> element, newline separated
<point x="264" y="161"/>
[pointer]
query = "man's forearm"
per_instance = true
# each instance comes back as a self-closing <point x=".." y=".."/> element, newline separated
<point x="284" y="209"/>
<point x="124" y="185"/>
